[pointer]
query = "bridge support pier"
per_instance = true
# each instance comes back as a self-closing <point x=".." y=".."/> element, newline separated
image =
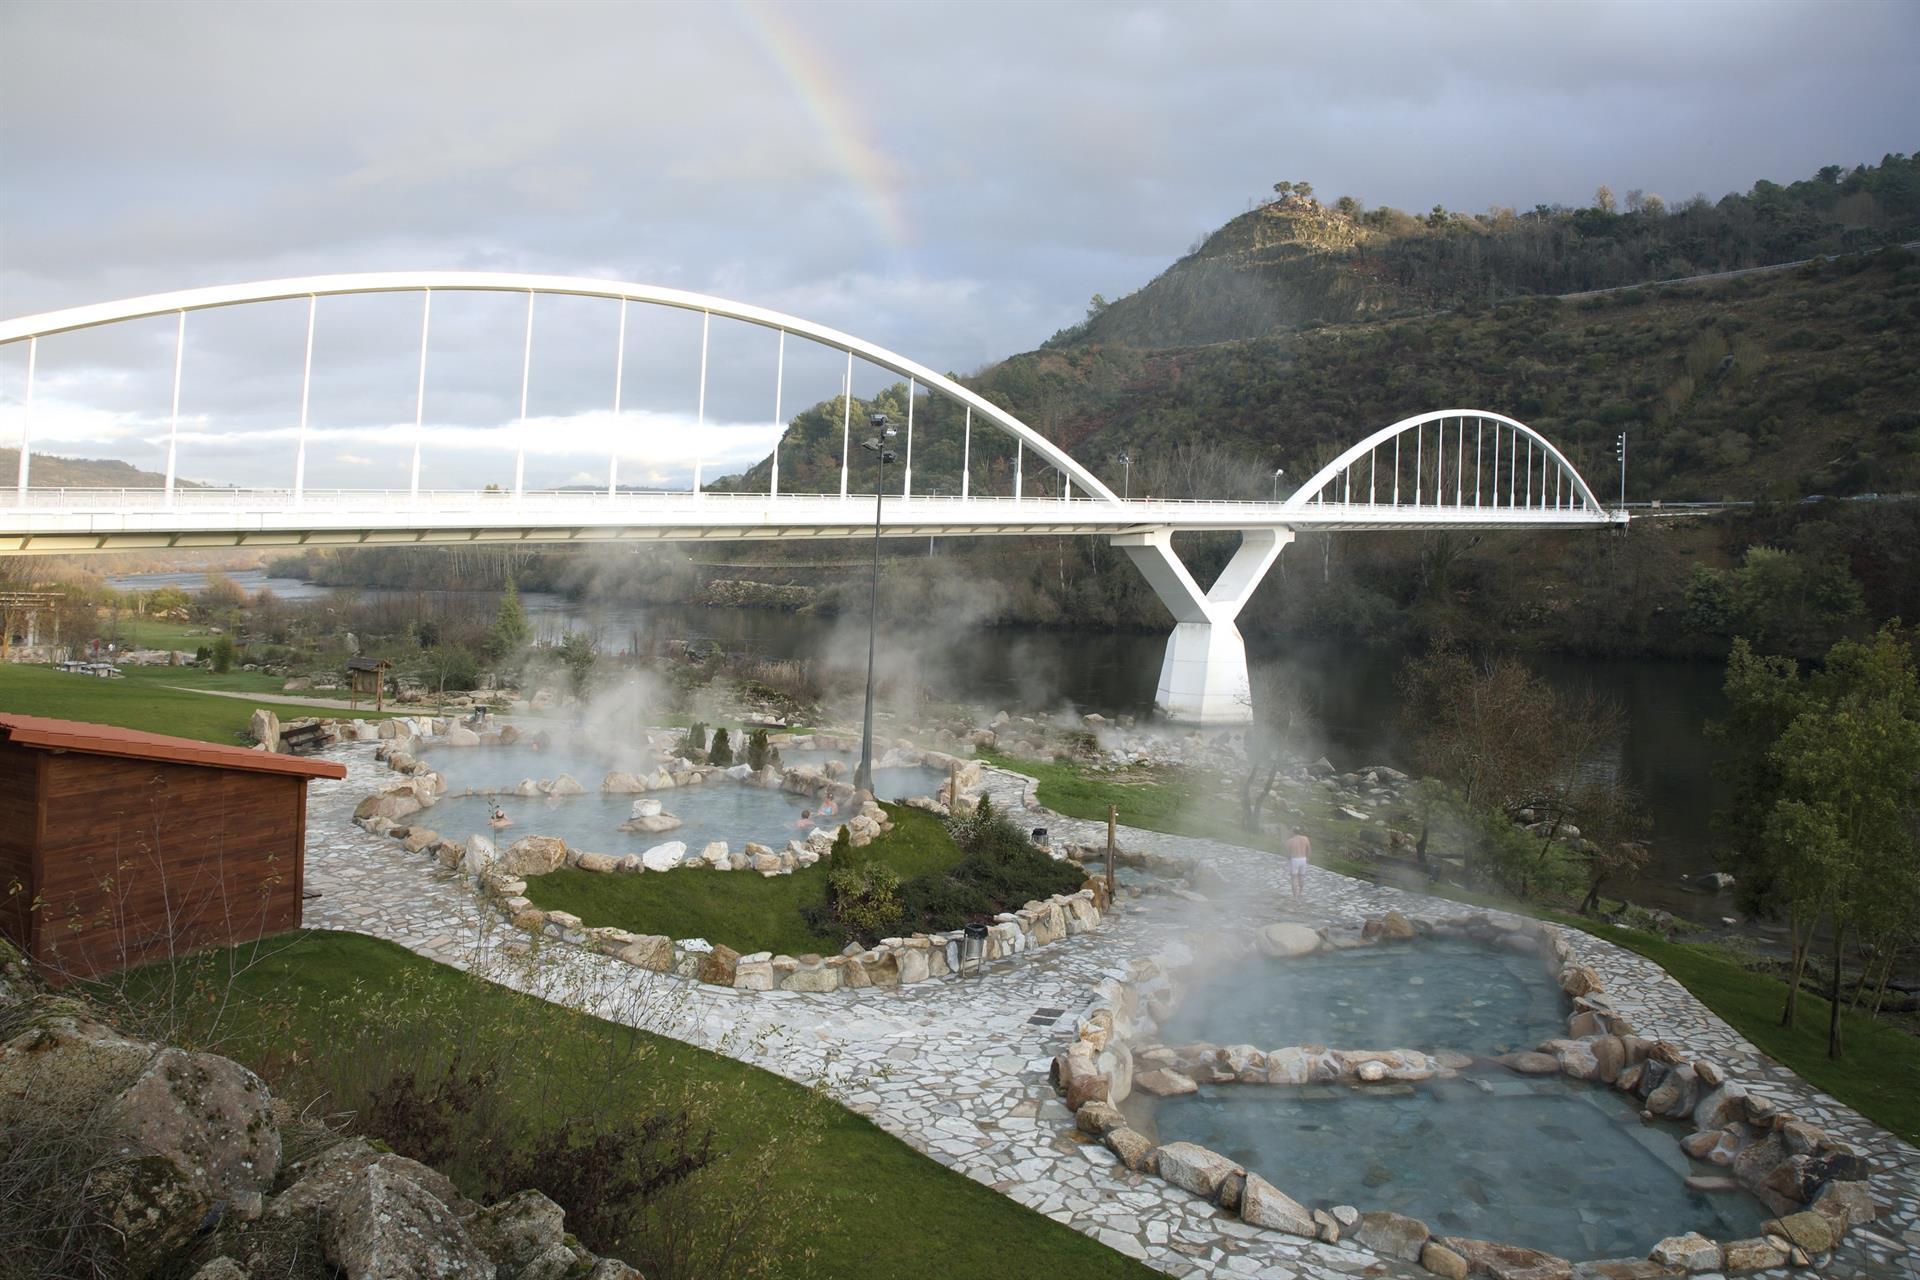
<point x="1203" y="678"/>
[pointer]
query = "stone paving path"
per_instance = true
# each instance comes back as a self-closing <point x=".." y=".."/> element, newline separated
<point x="958" y="1068"/>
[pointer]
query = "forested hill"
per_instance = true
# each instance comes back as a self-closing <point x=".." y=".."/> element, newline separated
<point x="1296" y="262"/>
<point x="1805" y="381"/>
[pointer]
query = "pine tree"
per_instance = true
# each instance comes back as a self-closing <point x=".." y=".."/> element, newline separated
<point x="511" y="631"/>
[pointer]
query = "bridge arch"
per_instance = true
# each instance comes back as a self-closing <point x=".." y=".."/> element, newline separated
<point x="1460" y="460"/>
<point x="31" y="329"/>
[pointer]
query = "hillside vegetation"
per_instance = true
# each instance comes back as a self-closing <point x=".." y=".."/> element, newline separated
<point x="1295" y="262"/>
<point x="84" y="473"/>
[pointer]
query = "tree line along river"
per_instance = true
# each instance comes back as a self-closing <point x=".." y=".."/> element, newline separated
<point x="1664" y="753"/>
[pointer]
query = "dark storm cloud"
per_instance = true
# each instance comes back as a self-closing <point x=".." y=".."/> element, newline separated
<point x="952" y="181"/>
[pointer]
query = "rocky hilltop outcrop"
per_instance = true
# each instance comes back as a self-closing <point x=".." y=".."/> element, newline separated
<point x="124" y="1157"/>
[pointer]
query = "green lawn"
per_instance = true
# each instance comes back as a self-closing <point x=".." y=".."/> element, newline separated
<point x="153" y="633"/>
<point x="746" y="911"/>
<point x="136" y="701"/>
<point x="850" y="1199"/>
<point x="1177" y="805"/>
<point x="235" y="681"/>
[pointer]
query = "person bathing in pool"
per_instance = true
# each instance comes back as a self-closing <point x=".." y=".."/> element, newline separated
<point x="499" y="818"/>
<point x="806" y="819"/>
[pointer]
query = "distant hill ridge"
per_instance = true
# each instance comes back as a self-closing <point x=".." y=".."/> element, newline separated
<point x="57" y="472"/>
<point x="1295" y="262"/>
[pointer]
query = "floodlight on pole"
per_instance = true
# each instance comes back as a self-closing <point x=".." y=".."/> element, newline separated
<point x="876" y="444"/>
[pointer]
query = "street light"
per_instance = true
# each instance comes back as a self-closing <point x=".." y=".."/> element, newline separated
<point x="1126" y="479"/>
<point x="875" y="444"/>
<point x="1277" y="473"/>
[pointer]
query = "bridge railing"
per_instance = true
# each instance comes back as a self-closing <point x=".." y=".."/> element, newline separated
<point x="78" y="499"/>
<point x="562" y="505"/>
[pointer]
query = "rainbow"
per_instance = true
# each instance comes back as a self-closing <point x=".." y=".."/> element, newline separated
<point x="816" y="87"/>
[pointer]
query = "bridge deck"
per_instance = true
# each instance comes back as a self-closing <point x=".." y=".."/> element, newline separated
<point x="63" y="521"/>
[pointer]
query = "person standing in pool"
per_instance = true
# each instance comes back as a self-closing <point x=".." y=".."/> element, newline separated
<point x="1299" y="849"/>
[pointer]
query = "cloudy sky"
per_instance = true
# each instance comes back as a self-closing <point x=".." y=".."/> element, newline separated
<point x="949" y="180"/>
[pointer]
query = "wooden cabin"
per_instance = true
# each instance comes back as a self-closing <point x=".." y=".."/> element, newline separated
<point x="368" y="677"/>
<point x="119" y="847"/>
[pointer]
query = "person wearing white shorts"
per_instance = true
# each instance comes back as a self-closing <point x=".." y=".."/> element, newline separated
<point x="1299" y="849"/>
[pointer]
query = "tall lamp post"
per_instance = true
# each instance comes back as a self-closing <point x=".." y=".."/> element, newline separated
<point x="877" y="445"/>
<point x="1277" y="473"/>
<point x="1126" y="477"/>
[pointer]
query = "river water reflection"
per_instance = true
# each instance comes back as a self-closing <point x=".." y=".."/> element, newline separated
<point x="1664" y="754"/>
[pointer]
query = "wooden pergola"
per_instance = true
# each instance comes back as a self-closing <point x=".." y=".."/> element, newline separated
<point x="368" y="675"/>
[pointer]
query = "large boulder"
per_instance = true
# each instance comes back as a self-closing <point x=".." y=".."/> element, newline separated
<point x="1392" y="1235"/>
<point x="646" y="809"/>
<point x="1264" y="1205"/>
<point x="1135" y="1149"/>
<point x="521" y="1233"/>
<point x="264" y="728"/>
<point x="1756" y="1254"/>
<point x="318" y="1184"/>
<point x="1507" y="1261"/>
<point x="1808" y="1230"/>
<point x="1289" y="940"/>
<point x="65" y="1068"/>
<point x="533" y="856"/>
<point x="1692" y="1251"/>
<point x="1196" y="1169"/>
<point x="149" y="1206"/>
<point x="1393" y="926"/>
<point x="1165" y="1083"/>
<point x="458" y="735"/>
<point x="209" y="1115"/>
<point x="719" y="965"/>
<point x="389" y="1226"/>
<point x="480" y="854"/>
<point x="566" y="785"/>
<point x="650" y="951"/>
<point x="664" y="857"/>
<point x="391" y="805"/>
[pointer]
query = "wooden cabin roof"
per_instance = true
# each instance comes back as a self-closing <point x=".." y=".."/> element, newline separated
<point x="46" y="734"/>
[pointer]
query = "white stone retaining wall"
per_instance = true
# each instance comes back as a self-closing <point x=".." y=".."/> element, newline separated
<point x="1815" y="1183"/>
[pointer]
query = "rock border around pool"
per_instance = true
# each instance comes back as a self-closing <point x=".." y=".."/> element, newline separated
<point x="381" y="812"/>
<point x="498" y="876"/>
<point x="1815" y="1184"/>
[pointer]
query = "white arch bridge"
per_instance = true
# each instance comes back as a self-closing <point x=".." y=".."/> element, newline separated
<point x="1449" y="469"/>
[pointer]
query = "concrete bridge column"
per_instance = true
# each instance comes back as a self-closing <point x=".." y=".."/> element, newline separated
<point x="1203" y="679"/>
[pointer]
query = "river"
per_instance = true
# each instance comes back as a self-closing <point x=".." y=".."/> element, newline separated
<point x="1664" y="754"/>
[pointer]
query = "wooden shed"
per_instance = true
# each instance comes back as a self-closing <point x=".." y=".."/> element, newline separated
<point x="119" y="847"/>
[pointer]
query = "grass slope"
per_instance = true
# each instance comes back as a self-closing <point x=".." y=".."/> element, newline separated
<point x="1882" y="1063"/>
<point x="875" y="1206"/>
<point x="746" y="911"/>
<point x="138" y="701"/>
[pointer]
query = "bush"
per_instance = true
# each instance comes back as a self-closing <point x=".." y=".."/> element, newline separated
<point x="606" y="1174"/>
<point x="760" y="753"/>
<point x="693" y="742"/>
<point x="221" y="654"/>
<point x="863" y="896"/>
<point x="721" y="752"/>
